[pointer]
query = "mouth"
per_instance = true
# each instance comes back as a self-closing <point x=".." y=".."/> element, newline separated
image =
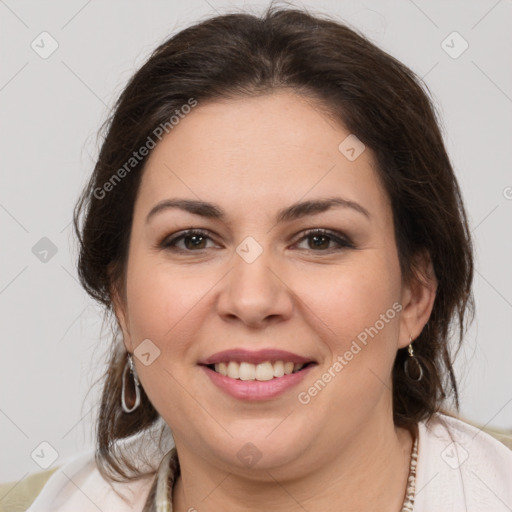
<point x="265" y="371"/>
<point x="245" y="383"/>
<point x="256" y="375"/>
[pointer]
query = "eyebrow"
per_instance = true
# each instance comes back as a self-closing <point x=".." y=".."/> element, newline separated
<point x="293" y="212"/>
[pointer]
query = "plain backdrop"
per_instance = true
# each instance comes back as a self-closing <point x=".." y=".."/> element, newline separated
<point x="53" y="345"/>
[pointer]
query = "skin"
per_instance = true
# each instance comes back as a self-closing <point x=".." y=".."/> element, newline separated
<point x="252" y="157"/>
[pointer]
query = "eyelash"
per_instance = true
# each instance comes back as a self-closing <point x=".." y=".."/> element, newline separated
<point x="342" y="240"/>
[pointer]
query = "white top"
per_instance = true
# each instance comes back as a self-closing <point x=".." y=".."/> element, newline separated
<point x="460" y="469"/>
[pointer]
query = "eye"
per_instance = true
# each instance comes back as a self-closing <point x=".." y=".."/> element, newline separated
<point x="193" y="240"/>
<point x="320" y="239"/>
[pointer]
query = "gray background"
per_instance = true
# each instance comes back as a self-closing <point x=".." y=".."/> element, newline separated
<point x="53" y="345"/>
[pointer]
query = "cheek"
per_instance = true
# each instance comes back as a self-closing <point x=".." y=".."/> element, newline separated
<point x="357" y="313"/>
<point x="163" y="306"/>
<point x="348" y="298"/>
<point x="160" y="299"/>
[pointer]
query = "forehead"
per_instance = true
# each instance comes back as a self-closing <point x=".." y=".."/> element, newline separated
<point x="259" y="150"/>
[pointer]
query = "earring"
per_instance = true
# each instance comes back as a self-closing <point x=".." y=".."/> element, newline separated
<point x="133" y="402"/>
<point x="417" y="370"/>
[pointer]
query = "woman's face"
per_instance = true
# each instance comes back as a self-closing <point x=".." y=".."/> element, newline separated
<point x="255" y="280"/>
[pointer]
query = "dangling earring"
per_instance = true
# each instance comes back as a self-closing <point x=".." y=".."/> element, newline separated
<point x="417" y="371"/>
<point x="134" y="402"/>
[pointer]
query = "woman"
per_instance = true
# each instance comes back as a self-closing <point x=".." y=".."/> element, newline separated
<point x="275" y="223"/>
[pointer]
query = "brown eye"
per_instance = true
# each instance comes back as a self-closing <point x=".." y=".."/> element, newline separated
<point x="193" y="240"/>
<point x="319" y="240"/>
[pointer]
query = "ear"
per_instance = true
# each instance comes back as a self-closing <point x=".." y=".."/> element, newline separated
<point x="120" y="310"/>
<point x="418" y="297"/>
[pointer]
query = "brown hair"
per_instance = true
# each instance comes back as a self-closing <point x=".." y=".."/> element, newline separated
<point x="372" y="94"/>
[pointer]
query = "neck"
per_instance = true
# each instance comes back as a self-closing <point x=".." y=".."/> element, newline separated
<point x="369" y="473"/>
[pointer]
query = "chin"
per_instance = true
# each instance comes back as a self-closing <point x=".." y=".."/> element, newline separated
<point x="261" y="448"/>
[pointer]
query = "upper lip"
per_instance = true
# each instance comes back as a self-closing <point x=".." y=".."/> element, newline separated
<point x="260" y="356"/>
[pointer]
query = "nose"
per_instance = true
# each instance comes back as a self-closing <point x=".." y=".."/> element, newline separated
<point x="255" y="294"/>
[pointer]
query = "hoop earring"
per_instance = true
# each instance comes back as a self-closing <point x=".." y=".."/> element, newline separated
<point x="134" y="402"/>
<point x="417" y="372"/>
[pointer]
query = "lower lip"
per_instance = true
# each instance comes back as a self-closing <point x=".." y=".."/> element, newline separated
<point x="255" y="389"/>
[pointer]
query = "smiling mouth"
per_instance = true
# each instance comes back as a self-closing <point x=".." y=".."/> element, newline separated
<point x="265" y="371"/>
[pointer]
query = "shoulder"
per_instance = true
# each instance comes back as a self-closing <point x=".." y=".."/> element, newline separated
<point x="461" y="467"/>
<point x="18" y="496"/>
<point x="77" y="485"/>
<point x="477" y="441"/>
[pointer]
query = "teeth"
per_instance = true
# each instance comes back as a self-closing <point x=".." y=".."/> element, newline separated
<point x="278" y="369"/>
<point x="262" y="371"/>
<point x="222" y="368"/>
<point x="233" y="370"/>
<point x="246" y="371"/>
